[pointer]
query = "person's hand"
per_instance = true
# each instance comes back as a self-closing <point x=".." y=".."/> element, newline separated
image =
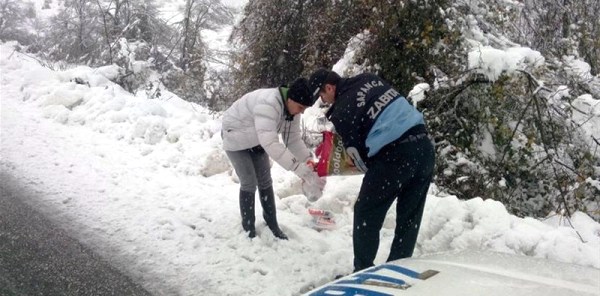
<point x="320" y="182"/>
<point x="311" y="191"/>
<point x="312" y="184"/>
<point x="311" y="164"/>
<point x="304" y="171"/>
<point x="349" y="162"/>
<point x="313" y="187"/>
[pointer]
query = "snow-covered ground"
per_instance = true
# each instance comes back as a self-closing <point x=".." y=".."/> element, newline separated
<point x="146" y="184"/>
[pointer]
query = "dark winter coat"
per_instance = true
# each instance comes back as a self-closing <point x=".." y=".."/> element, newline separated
<point x="359" y="102"/>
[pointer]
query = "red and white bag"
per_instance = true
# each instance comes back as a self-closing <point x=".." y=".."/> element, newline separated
<point x="333" y="159"/>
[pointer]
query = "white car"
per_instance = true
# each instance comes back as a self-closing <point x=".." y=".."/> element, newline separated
<point x="468" y="273"/>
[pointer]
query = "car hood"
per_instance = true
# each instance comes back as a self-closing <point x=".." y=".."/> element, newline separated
<point x="468" y="273"/>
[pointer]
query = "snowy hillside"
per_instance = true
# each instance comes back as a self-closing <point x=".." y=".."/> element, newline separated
<point x="146" y="184"/>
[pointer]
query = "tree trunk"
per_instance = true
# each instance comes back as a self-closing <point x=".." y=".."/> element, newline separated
<point x="186" y="35"/>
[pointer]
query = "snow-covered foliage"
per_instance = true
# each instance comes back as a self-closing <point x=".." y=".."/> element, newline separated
<point x="501" y="113"/>
<point x="158" y="45"/>
<point x="493" y="63"/>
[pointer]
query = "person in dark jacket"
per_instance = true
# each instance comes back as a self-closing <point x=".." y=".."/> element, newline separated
<point x="387" y="139"/>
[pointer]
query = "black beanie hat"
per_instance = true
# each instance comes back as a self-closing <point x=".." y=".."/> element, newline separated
<point x="299" y="93"/>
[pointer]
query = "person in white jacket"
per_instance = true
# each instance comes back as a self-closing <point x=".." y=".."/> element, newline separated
<point x="250" y="130"/>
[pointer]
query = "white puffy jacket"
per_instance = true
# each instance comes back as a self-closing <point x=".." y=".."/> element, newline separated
<point x="258" y="118"/>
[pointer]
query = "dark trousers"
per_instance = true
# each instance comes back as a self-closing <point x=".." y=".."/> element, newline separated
<point x="401" y="171"/>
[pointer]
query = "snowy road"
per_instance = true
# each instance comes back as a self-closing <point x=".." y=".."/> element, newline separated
<point x="36" y="258"/>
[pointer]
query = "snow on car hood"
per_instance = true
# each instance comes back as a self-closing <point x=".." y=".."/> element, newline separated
<point x="468" y="273"/>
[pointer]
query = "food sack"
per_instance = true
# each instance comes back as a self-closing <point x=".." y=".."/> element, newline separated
<point x="333" y="159"/>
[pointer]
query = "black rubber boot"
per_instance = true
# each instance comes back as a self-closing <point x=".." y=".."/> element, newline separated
<point x="267" y="200"/>
<point x="247" y="211"/>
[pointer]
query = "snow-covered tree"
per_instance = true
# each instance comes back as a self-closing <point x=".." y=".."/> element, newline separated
<point x="561" y="27"/>
<point x="15" y="19"/>
<point x="331" y="24"/>
<point x="270" y="38"/>
<point x="509" y="136"/>
<point x="188" y="79"/>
